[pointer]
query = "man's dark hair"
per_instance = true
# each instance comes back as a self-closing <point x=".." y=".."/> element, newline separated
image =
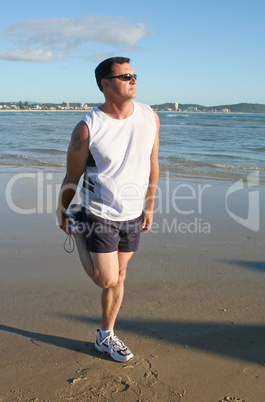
<point x="104" y="69"/>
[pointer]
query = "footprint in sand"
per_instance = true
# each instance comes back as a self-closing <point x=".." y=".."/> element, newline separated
<point x="137" y="380"/>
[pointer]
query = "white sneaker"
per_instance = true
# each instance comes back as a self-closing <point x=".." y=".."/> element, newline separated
<point x="113" y="347"/>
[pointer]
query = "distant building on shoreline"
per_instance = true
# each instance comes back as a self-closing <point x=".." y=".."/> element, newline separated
<point x="164" y="107"/>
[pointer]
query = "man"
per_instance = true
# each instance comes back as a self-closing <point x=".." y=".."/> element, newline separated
<point x="116" y="147"/>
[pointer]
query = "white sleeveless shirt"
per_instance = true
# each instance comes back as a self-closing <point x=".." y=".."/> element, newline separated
<point x="117" y="172"/>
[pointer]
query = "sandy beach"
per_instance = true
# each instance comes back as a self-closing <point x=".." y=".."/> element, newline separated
<point x="193" y="312"/>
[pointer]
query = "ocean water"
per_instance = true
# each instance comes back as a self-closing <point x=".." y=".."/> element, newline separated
<point x="222" y="146"/>
<point x="197" y="145"/>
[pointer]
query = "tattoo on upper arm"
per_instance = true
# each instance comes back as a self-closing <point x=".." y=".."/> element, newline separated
<point x="76" y="142"/>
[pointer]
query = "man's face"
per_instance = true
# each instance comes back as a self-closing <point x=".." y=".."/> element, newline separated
<point x="125" y="89"/>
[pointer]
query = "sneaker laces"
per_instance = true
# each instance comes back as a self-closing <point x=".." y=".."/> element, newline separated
<point x="118" y="342"/>
<point x="69" y="244"/>
<point x="114" y="343"/>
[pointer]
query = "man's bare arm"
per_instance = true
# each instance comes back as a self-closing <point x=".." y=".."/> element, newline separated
<point x="77" y="155"/>
<point x="153" y="182"/>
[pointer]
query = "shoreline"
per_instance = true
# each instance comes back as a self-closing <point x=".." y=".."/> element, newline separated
<point x="193" y="311"/>
<point x="165" y="174"/>
<point x="45" y="110"/>
<point x="157" y="110"/>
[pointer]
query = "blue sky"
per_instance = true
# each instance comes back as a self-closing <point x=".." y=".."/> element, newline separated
<point x="187" y="51"/>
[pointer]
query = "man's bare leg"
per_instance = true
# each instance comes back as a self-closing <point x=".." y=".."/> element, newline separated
<point x="107" y="270"/>
<point x="103" y="268"/>
<point x="84" y="255"/>
<point x="112" y="297"/>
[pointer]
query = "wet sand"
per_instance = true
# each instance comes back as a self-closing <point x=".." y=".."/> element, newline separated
<point x="193" y="312"/>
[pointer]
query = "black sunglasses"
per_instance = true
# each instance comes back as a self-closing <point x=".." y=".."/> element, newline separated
<point x="124" y="77"/>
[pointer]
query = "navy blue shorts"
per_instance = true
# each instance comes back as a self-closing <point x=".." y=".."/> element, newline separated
<point x="105" y="236"/>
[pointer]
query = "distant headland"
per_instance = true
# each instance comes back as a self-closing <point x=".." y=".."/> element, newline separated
<point x="237" y="108"/>
<point x="164" y="107"/>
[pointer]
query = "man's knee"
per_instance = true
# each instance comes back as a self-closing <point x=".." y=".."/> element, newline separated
<point x="122" y="275"/>
<point x="106" y="282"/>
<point x="106" y="269"/>
<point x="110" y="281"/>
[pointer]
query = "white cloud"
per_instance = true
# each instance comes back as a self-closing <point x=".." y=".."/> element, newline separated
<point x="30" y="55"/>
<point x="54" y="39"/>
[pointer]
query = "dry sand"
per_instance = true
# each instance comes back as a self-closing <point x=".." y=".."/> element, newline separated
<point x="193" y="312"/>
